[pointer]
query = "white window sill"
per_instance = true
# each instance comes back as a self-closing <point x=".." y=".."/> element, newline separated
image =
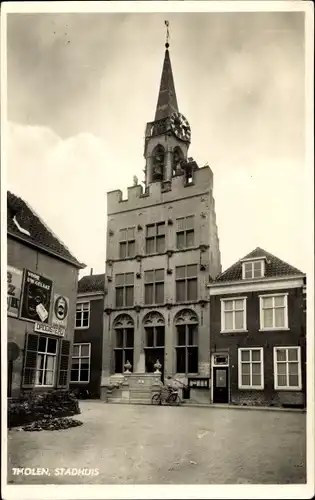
<point x="82" y="327"/>
<point x="78" y="382"/>
<point x="288" y="388"/>
<point x="234" y="331"/>
<point x="280" y="329"/>
<point x="251" y="388"/>
<point x="43" y="386"/>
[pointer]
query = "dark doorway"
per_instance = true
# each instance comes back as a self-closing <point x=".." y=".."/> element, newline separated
<point x="221" y="385"/>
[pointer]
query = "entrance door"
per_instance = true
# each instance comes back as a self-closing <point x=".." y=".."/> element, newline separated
<point x="220" y="385"/>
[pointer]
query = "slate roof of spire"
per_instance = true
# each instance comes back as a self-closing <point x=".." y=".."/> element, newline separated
<point x="167" y="102"/>
<point x="40" y="236"/>
<point x="92" y="283"/>
<point x="274" y="267"/>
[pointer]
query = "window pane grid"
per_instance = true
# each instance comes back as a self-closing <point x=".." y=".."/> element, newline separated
<point x="287" y="368"/>
<point x="186" y="282"/>
<point x="46" y="362"/>
<point x="253" y="269"/>
<point x="233" y="314"/>
<point x="274" y="311"/>
<point x="80" y="364"/>
<point x="124" y="289"/>
<point x="124" y="348"/>
<point x="250" y="369"/>
<point x="155" y="238"/>
<point x="82" y="315"/>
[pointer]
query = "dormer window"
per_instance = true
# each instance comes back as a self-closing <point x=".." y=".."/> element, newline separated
<point x="253" y="269"/>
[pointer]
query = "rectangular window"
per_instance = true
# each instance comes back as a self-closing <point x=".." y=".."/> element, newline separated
<point x="46" y="362"/>
<point x="186" y="282"/>
<point x="274" y="311"/>
<point x="233" y="314"/>
<point x="187" y="348"/>
<point x="155" y="238"/>
<point x="250" y="368"/>
<point x="80" y="365"/>
<point x="127" y="243"/>
<point x="185" y="233"/>
<point x="124" y="286"/>
<point x="287" y="368"/>
<point x="82" y="318"/>
<point x="154" y="286"/>
<point x="255" y="269"/>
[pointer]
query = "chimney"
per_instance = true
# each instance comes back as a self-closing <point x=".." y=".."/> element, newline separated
<point x="91" y="271"/>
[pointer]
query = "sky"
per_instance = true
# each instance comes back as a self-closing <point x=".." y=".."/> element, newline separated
<point x="81" y="88"/>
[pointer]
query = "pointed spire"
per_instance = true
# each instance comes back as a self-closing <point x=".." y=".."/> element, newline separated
<point x="167" y="102"/>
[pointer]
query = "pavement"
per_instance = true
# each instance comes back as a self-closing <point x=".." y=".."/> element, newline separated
<point x="135" y="444"/>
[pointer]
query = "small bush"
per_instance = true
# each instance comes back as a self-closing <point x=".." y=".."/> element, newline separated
<point x="52" y="424"/>
<point x="38" y="406"/>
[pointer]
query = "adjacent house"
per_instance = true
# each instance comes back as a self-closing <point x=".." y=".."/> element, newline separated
<point x="258" y="331"/>
<point x="86" y="365"/>
<point x="42" y="277"/>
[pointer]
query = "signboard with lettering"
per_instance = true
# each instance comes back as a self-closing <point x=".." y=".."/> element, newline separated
<point x="51" y="330"/>
<point x="36" y="297"/>
<point x="60" y="310"/>
<point x="14" y="280"/>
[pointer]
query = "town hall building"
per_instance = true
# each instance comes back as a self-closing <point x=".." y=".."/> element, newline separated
<point x="162" y="248"/>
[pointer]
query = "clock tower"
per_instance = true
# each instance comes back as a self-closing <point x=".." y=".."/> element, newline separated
<point x="167" y="138"/>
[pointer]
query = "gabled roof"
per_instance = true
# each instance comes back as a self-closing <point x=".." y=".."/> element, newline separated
<point x="92" y="283"/>
<point x="273" y="267"/>
<point x="167" y="101"/>
<point x="24" y="224"/>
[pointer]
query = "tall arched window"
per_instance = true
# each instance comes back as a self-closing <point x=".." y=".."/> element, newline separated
<point x="154" y="340"/>
<point x="177" y="158"/>
<point x="158" y="163"/>
<point x="124" y="342"/>
<point x="186" y="341"/>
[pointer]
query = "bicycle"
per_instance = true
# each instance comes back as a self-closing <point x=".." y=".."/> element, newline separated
<point x="171" y="397"/>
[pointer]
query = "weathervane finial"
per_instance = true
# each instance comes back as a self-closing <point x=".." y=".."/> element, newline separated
<point x="167" y="34"/>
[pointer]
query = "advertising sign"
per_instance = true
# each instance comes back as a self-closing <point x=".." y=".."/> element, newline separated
<point x="60" y="310"/>
<point x="51" y="330"/>
<point x="36" y="297"/>
<point x="14" y="280"/>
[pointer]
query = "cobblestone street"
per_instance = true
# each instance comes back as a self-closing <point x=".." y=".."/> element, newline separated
<point x="167" y="445"/>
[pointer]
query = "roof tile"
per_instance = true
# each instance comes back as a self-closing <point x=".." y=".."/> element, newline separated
<point x="40" y="235"/>
<point x="274" y="267"/>
<point x="92" y="283"/>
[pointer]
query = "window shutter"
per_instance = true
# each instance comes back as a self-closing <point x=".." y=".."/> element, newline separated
<point x="30" y="359"/>
<point x="64" y="355"/>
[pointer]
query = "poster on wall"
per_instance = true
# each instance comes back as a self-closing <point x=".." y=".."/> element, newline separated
<point x="14" y="280"/>
<point x="36" y="297"/>
<point x="60" y="310"/>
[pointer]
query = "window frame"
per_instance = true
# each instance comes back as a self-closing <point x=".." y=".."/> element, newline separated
<point x="287" y="362"/>
<point x="80" y="303"/>
<point x="124" y="288"/>
<point x="79" y="357"/>
<point x="154" y="287"/>
<point x="262" y="328"/>
<point x="54" y="355"/>
<point x="229" y="299"/>
<point x="155" y="237"/>
<point x="187" y="346"/>
<point x="185" y="231"/>
<point x="252" y="263"/>
<point x="124" y="348"/>
<point x="127" y="241"/>
<point x="251" y="387"/>
<point x="186" y="279"/>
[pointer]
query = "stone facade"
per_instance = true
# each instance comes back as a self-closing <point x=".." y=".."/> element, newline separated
<point x="172" y="230"/>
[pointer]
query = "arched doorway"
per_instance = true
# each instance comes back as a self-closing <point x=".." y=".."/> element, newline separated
<point x="154" y="341"/>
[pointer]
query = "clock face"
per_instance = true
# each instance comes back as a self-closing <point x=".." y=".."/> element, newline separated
<point x="180" y="126"/>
